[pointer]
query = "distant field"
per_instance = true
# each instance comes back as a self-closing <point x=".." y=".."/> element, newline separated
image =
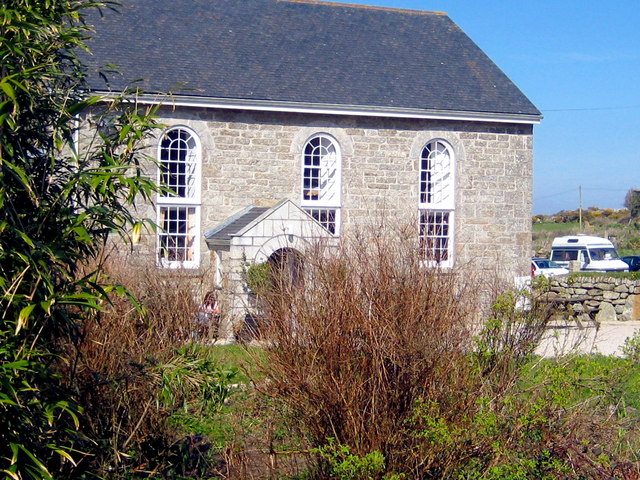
<point x="555" y="227"/>
<point x="625" y="237"/>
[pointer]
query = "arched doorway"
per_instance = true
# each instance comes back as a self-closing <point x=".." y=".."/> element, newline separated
<point x="288" y="265"/>
<point x="285" y="272"/>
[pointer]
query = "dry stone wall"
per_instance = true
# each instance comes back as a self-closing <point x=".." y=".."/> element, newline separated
<point x="598" y="298"/>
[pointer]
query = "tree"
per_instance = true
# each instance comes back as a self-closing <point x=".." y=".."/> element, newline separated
<point x="58" y="206"/>
<point x="632" y="202"/>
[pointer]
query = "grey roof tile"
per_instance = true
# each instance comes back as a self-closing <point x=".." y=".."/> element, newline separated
<point x="219" y="237"/>
<point x="298" y="51"/>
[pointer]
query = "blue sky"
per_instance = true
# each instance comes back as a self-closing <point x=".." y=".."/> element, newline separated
<point x="578" y="61"/>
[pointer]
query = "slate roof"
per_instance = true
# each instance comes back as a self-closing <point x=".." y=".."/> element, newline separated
<point x="219" y="237"/>
<point x="301" y="51"/>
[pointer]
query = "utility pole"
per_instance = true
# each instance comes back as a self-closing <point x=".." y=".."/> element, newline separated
<point x="580" y="195"/>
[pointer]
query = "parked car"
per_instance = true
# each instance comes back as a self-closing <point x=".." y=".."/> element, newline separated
<point x="633" y="261"/>
<point x="546" y="267"/>
<point x="595" y="254"/>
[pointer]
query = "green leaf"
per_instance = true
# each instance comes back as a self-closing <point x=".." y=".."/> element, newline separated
<point x="123" y="133"/>
<point x="46" y="305"/>
<point x="17" y="365"/>
<point x="26" y="238"/>
<point x="6" y="400"/>
<point x="12" y="473"/>
<point x="24" y="316"/>
<point x="39" y="465"/>
<point x="66" y="456"/>
<point x="8" y="89"/>
<point x="15" y="450"/>
<point x="136" y="232"/>
<point x="82" y="234"/>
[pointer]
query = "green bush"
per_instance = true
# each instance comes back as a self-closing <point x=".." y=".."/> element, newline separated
<point x="259" y="278"/>
<point x="58" y="206"/>
<point x="343" y="465"/>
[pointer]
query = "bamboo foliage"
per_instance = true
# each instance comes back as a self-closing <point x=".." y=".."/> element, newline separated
<point x="58" y="205"/>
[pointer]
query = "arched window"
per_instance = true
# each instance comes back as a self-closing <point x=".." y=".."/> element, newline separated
<point x="437" y="202"/>
<point x="321" y="181"/>
<point x="179" y="203"/>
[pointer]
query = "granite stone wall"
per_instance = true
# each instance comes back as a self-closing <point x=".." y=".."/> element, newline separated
<point x="256" y="158"/>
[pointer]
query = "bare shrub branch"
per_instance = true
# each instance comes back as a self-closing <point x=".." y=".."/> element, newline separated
<point x="133" y="364"/>
<point x="378" y="353"/>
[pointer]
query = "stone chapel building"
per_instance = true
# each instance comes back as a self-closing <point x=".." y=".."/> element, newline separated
<point x="291" y="120"/>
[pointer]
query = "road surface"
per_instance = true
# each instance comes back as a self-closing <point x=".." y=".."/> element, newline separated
<point x="606" y="338"/>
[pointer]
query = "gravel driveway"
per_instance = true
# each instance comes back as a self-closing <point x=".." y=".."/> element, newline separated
<point x="607" y="338"/>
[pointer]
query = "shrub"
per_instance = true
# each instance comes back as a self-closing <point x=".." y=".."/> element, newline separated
<point x="258" y="278"/>
<point x="58" y="205"/>
<point x="132" y="368"/>
<point x="389" y="358"/>
<point x="346" y="466"/>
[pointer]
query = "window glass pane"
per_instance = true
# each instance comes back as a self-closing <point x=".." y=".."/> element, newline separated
<point x="564" y="255"/>
<point x="436" y="186"/>
<point x="178" y="163"/>
<point x="321" y="173"/>
<point x="321" y="181"/>
<point x="325" y="217"/>
<point x="177" y="236"/>
<point x="434" y="235"/>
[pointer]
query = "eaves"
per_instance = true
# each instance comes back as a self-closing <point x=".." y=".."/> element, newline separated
<point x="331" y="109"/>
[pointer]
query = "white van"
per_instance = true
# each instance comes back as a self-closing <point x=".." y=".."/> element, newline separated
<point x="595" y="254"/>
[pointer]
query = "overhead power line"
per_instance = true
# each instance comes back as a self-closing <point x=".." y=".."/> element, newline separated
<point x="590" y="109"/>
<point x="574" y="190"/>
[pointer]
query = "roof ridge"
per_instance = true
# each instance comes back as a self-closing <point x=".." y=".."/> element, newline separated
<point x="368" y="7"/>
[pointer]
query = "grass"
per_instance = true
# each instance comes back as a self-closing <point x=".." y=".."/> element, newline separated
<point x="586" y="377"/>
<point x="241" y="357"/>
<point x="580" y="366"/>
<point x="253" y="435"/>
<point x="246" y="434"/>
<point x="219" y="426"/>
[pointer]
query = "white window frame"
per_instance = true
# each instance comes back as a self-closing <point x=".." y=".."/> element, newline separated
<point x="436" y="201"/>
<point x="326" y="206"/>
<point x="436" y="237"/>
<point x="189" y="199"/>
